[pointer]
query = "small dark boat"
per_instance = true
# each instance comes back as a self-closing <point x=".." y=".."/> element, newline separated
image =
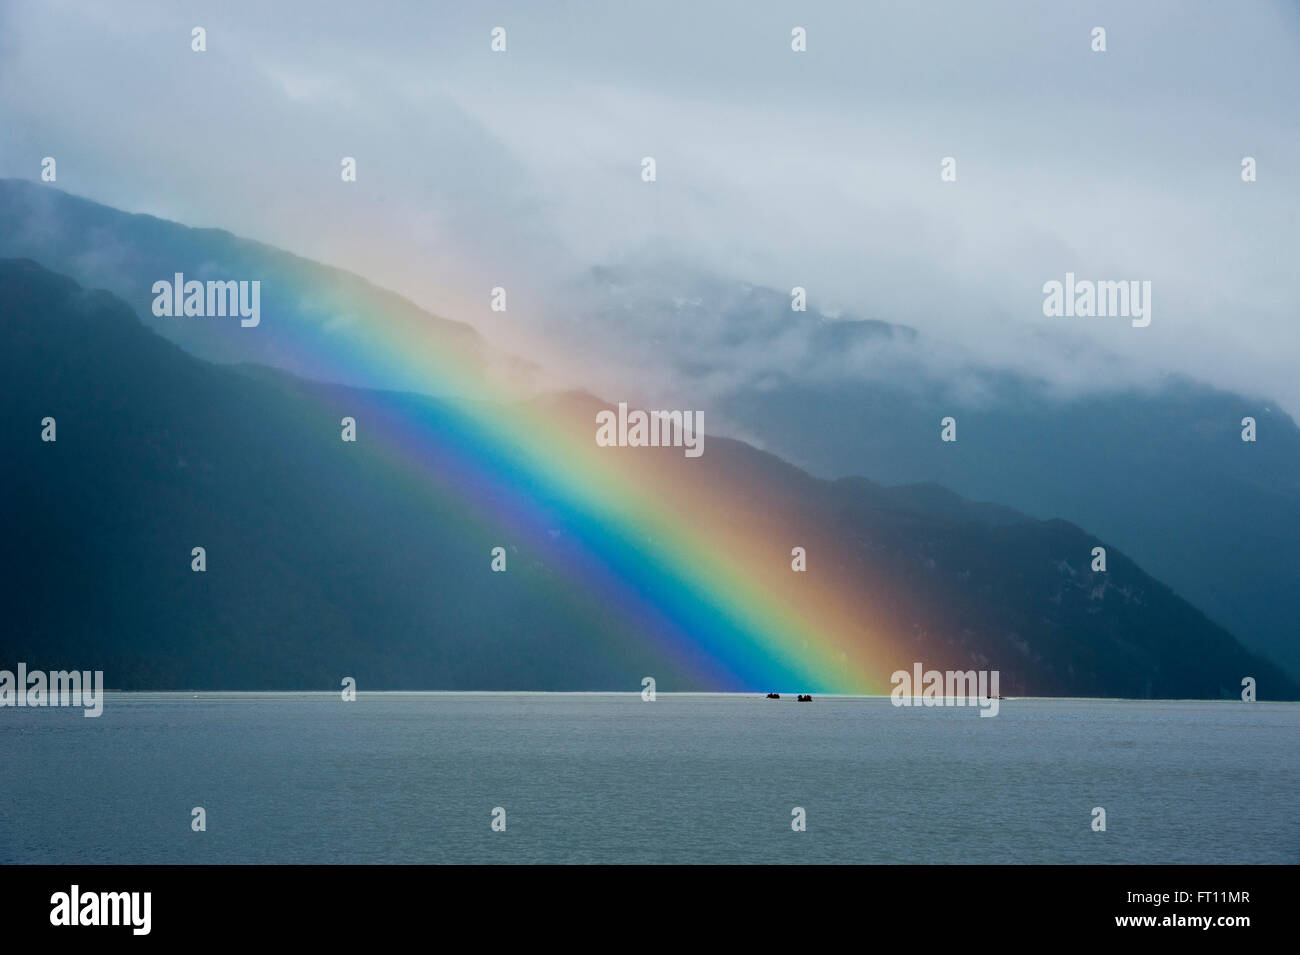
<point x="774" y="696"/>
<point x="805" y="697"/>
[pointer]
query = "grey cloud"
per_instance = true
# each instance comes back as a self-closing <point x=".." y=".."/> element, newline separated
<point x="775" y="169"/>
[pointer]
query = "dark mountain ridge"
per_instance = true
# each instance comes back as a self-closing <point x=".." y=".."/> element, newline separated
<point x="324" y="563"/>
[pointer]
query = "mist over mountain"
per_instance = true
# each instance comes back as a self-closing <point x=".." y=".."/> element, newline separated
<point x="327" y="560"/>
<point x="819" y="169"/>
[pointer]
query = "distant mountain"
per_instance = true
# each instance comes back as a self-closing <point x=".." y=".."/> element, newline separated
<point x="1160" y="472"/>
<point x="327" y="559"/>
<point x="1164" y="475"/>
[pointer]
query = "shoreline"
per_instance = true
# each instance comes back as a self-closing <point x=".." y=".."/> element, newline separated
<point x="184" y="696"/>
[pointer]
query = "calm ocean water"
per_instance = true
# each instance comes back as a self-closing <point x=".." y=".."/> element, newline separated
<point x="609" y="778"/>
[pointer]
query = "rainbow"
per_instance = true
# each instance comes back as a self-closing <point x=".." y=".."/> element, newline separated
<point x="659" y="537"/>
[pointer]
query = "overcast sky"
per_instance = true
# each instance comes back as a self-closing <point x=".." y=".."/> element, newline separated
<point x="776" y="168"/>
